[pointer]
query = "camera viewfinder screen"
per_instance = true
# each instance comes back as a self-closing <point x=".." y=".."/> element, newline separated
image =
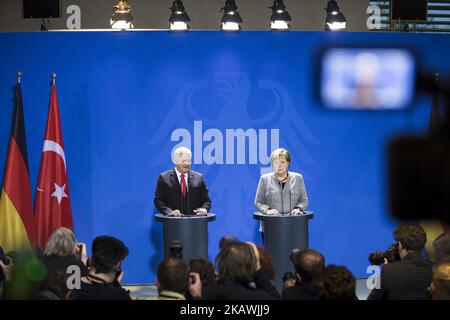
<point x="367" y="79"/>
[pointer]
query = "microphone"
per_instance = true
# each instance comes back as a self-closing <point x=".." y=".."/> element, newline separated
<point x="187" y="191"/>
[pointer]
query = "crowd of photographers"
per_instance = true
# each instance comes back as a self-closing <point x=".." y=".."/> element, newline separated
<point x="242" y="271"/>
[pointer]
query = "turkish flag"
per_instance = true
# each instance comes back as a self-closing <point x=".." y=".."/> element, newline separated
<point x="52" y="202"/>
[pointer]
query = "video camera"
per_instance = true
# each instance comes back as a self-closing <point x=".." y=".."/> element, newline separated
<point x="391" y="255"/>
<point x="176" y="249"/>
<point x="371" y="78"/>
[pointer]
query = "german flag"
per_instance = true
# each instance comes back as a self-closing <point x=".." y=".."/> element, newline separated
<point x="16" y="210"/>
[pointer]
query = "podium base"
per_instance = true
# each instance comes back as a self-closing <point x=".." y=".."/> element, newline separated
<point x="191" y="231"/>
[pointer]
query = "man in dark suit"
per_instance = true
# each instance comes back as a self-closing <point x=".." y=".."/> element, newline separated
<point x="181" y="191"/>
<point x="410" y="277"/>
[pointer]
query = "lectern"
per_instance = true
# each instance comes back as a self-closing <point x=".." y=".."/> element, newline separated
<point x="282" y="234"/>
<point x="192" y="231"/>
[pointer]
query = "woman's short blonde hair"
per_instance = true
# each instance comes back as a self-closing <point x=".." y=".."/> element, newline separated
<point x="280" y="153"/>
<point x="62" y="243"/>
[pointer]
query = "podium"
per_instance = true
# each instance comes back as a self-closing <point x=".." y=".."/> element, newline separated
<point x="192" y="231"/>
<point x="282" y="234"/>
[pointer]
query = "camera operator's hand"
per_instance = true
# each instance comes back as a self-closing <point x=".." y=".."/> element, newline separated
<point x="256" y="252"/>
<point x="7" y="267"/>
<point x="272" y="212"/>
<point x="195" y="285"/>
<point x="296" y="211"/>
<point x="288" y="283"/>
<point x="81" y="251"/>
<point x="175" y="213"/>
<point x="201" y="212"/>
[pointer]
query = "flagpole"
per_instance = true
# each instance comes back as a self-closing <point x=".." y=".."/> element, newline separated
<point x="19" y="76"/>
<point x="53" y="78"/>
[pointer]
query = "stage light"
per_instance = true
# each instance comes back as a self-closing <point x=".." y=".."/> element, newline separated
<point x="335" y="19"/>
<point x="122" y="18"/>
<point x="280" y="17"/>
<point x="179" y="18"/>
<point x="231" y="19"/>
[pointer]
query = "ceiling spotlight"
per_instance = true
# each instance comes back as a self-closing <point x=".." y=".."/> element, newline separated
<point x="231" y="19"/>
<point x="280" y="17"/>
<point x="335" y="19"/>
<point x="122" y="18"/>
<point x="179" y="18"/>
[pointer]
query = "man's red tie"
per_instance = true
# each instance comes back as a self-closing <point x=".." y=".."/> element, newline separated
<point x="183" y="186"/>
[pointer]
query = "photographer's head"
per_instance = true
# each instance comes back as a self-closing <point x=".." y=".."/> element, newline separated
<point x="173" y="275"/>
<point x="441" y="246"/>
<point x="410" y="238"/>
<point x="440" y="287"/>
<point x="236" y="262"/>
<point x="107" y="254"/>
<point x="205" y="269"/>
<point x="226" y="240"/>
<point x="336" y="283"/>
<point x="62" y="243"/>
<point x="309" y="264"/>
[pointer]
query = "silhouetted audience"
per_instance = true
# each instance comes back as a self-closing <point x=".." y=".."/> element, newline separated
<point x="243" y="271"/>
<point x="62" y="251"/>
<point x="54" y="287"/>
<point x="105" y="274"/>
<point x="227" y="239"/>
<point x="440" y="286"/>
<point x="23" y="273"/>
<point x="309" y="265"/>
<point x="336" y="283"/>
<point x="441" y="246"/>
<point x="205" y="269"/>
<point x="176" y="282"/>
<point x="240" y="275"/>
<point x="267" y="262"/>
<point x="410" y="277"/>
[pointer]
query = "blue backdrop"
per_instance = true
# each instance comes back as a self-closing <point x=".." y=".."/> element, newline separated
<point x="127" y="99"/>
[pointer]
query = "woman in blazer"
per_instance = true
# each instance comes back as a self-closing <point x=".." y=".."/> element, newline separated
<point x="281" y="192"/>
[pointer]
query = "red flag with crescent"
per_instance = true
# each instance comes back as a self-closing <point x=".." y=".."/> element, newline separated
<point x="52" y="207"/>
